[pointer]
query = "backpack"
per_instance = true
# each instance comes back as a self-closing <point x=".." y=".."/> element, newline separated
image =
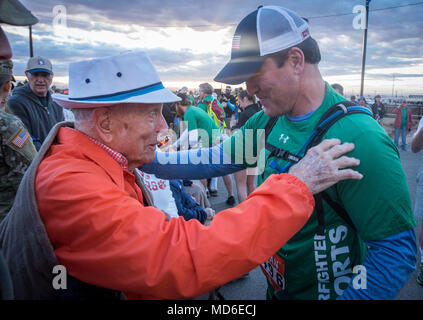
<point x="333" y="114"/>
<point x="216" y="113"/>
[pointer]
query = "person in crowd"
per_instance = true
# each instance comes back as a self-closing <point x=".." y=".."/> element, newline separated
<point x="230" y="106"/>
<point x="402" y="124"/>
<point x="249" y="107"/>
<point x="6" y="78"/>
<point x="169" y="114"/>
<point x="353" y="99"/>
<point x="187" y="207"/>
<point x="33" y="104"/>
<point x="278" y="60"/>
<point x="201" y="131"/>
<point x="338" y="88"/>
<point x="17" y="149"/>
<point x="362" y="102"/>
<point x="197" y="191"/>
<point x="378" y="109"/>
<point x="80" y="206"/>
<point x="245" y="183"/>
<point x="416" y="146"/>
<point x="211" y="106"/>
<point x="169" y="196"/>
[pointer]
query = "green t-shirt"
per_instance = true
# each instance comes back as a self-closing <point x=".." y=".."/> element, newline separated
<point x="208" y="131"/>
<point x="404" y="117"/>
<point x="320" y="267"/>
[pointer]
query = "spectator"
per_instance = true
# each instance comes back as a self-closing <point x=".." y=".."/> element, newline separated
<point x="353" y="99"/>
<point x="245" y="183"/>
<point x="197" y="191"/>
<point x="338" y="88"/>
<point x="32" y="103"/>
<point x="248" y="106"/>
<point x="416" y="146"/>
<point x="403" y="123"/>
<point x="201" y="129"/>
<point x="231" y="108"/>
<point x="187" y="207"/>
<point x="211" y="106"/>
<point x="169" y="113"/>
<point x="169" y="196"/>
<point x="378" y="109"/>
<point x="6" y="78"/>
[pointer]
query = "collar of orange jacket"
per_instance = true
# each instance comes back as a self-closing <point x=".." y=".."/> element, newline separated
<point x="71" y="139"/>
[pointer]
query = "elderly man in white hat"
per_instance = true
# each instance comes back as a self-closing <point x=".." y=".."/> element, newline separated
<point x="81" y="208"/>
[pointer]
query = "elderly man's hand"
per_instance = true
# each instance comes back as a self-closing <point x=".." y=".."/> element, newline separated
<point x="320" y="167"/>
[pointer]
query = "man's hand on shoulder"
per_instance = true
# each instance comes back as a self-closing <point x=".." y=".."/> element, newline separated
<point x="321" y="166"/>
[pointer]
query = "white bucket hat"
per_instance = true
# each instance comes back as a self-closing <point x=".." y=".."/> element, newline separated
<point x="125" y="78"/>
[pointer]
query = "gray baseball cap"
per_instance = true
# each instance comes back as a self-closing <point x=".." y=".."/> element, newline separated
<point x="13" y="12"/>
<point x="39" y="64"/>
<point x="6" y="69"/>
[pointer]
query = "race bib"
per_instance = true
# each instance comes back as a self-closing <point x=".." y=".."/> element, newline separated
<point x="274" y="270"/>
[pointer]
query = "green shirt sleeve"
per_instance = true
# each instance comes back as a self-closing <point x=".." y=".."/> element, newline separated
<point x="202" y="106"/>
<point x="245" y="146"/>
<point x="380" y="203"/>
<point x="190" y="118"/>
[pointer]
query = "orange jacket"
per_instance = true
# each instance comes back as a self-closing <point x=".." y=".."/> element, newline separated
<point x="101" y="232"/>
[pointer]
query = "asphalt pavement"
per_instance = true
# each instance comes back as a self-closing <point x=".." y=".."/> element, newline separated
<point x="253" y="287"/>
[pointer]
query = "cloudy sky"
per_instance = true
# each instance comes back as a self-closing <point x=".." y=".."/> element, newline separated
<point x="190" y="41"/>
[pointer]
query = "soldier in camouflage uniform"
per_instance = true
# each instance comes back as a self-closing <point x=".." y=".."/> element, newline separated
<point x="14" y="13"/>
<point x="16" y="147"/>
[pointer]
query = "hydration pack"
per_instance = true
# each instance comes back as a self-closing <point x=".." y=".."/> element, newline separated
<point x="333" y="114"/>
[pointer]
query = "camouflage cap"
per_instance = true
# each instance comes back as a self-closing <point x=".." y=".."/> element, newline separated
<point x="6" y="69"/>
<point x="13" y="12"/>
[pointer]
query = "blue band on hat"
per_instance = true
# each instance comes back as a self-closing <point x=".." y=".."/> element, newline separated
<point x="32" y="71"/>
<point x="124" y="94"/>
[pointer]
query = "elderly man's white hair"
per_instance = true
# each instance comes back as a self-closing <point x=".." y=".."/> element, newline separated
<point x="83" y="117"/>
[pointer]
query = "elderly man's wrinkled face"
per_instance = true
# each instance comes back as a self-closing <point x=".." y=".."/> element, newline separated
<point x="135" y="129"/>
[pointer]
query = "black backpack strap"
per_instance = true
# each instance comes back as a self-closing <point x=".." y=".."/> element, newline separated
<point x="338" y="209"/>
<point x="269" y="126"/>
<point x="320" y="214"/>
<point x="333" y="114"/>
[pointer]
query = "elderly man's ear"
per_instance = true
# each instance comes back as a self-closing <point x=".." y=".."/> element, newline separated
<point x="103" y="124"/>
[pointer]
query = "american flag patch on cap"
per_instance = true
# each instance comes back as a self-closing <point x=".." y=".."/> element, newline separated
<point x="20" y="139"/>
<point x="236" y="41"/>
<point x="305" y="33"/>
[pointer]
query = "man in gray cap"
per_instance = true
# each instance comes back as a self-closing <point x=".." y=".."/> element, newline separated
<point x="14" y="157"/>
<point x="33" y="104"/>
